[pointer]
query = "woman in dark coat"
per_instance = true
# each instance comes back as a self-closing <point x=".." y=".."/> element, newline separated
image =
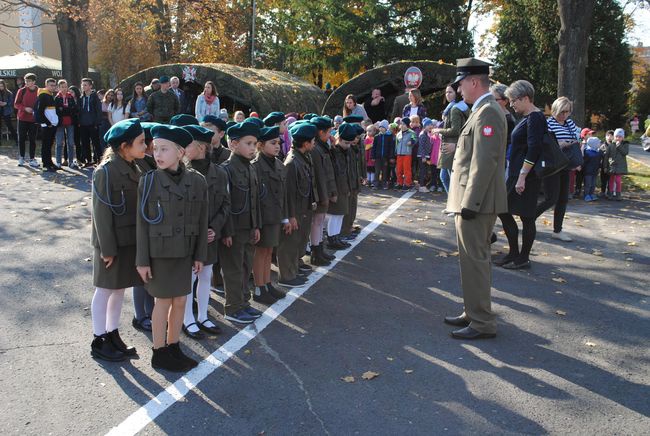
<point x="522" y="183"/>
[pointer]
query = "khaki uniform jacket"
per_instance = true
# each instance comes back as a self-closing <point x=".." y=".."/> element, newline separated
<point x="220" y="155"/>
<point x="273" y="198"/>
<point x="477" y="181"/>
<point x="245" y="210"/>
<point x="163" y="106"/>
<point x="146" y="164"/>
<point x="341" y="165"/>
<point x="300" y="183"/>
<point x="114" y="227"/>
<point x="183" y="231"/>
<point x="355" y="163"/>
<point x="218" y="206"/>
<point x="324" y="173"/>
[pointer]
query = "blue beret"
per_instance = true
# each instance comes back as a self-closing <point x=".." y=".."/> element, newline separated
<point x="347" y="132"/>
<point x="268" y="133"/>
<point x="146" y="126"/>
<point x="246" y="128"/>
<point x="175" y="134"/>
<point x="309" y="116"/>
<point x="215" y="121"/>
<point x="353" y="119"/>
<point x="181" y="120"/>
<point x="259" y="123"/>
<point x="123" y="131"/>
<point x="406" y="120"/>
<point x="303" y="131"/>
<point x="274" y="118"/>
<point x="164" y="79"/>
<point x="200" y="133"/>
<point x="322" y="123"/>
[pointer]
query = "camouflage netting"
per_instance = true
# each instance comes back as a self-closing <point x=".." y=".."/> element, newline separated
<point x="390" y="79"/>
<point x="241" y="88"/>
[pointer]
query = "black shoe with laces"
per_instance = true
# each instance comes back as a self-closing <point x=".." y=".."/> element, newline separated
<point x="175" y="350"/>
<point x="102" y="348"/>
<point x="262" y="295"/>
<point x="275" y="292"/>
<point x="119" y="344"/>
<point x="163" y="358"/>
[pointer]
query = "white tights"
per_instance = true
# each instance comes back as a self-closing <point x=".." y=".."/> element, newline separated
<point x="105" y="310"/>
<point x="202" y="295"/>
<point x="334" y="224"/>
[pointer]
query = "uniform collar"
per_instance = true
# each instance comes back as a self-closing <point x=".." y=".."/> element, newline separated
<point x="479" y="100"/>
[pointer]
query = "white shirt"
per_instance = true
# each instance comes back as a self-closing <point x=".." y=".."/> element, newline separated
<point x="478" y="100"/>
<point x="118" y="114"/>
<point x="414" y="110"/>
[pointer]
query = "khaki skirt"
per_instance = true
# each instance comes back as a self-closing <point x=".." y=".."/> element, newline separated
<point x="171" y="277"/>
<point x="122" y="273"/>
<point x="270" y="236"/>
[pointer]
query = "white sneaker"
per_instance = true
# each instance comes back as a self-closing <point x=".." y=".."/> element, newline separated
<point x="21" y="161"/>
<point x="562" y="237"/>
<point x="34" y="164"/>
<point x="423" y="189"/>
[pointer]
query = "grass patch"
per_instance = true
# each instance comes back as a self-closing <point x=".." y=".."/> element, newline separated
<point x="638" y="177"/>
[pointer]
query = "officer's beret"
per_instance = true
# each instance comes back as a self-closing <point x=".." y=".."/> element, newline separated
<point x="309" y="116"/>
<point x="407" y="121"/>
<point x="123" y="131"/>
<point x="322" y="123"/>
<point x="274" y="118"/>
<point x="181" y="120"/>
<point x="146" y="126"/>
<point x="347" y="132"/>
<point x="259" y="123"/>
<point x="353" y="119"/>
<point x="303" y="132"/>
<point x="164" y="79"/>
<point x="175" y="134"/>
<point x="200" y="133"/>
<point x="268" y="133"/>
<point x="245" y="128"/>
<point x="215" y="121"/>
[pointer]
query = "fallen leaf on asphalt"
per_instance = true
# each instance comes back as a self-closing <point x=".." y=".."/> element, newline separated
<point x="408" y="371"/>
<point x="88" y="259"/>
<point x="247" y="351"/>
<point x="546" y="222"/>
<point x="590" y="344"/>
<point x="348" y="379"/>
<point x="597" y="253"/>
<point x="558" y="279"/>
<point x="631" y="244"/>
<point x="369" y="375"/>
<point x="558" y="292"/>
<point x="390" y="359"/>
<point x="455" y="253"/>
<point x="567" y="258"/>
<point x="442" y="254"/>
<point x="417" y="241"/>
<point x="419" y="259"/>
<point x="443" y="224"/>
<point x="560" y="312"/>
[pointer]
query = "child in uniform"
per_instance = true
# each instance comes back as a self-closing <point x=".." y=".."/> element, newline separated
<point x="114" y="212"/>
<point x="341" y="163"/>
<point x="242" y="229"/>
<point x="271" y="175"/>
<point x="301" y="202"/>
<point x="196" y="154"/>
<point x="357" y="171"/>
<point x="172" y="234"/>
<point x="142" y="301"/>
<point x="220" y="152"/>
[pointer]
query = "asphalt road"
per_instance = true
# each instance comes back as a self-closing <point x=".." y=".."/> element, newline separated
<point x="571" y="355"/>
<point x="636" y="152"/>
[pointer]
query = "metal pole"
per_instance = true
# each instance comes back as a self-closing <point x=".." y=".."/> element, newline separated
<point x="254" y="7"/>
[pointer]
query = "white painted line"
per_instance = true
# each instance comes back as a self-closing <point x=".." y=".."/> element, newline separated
<point x="156" y="406"/>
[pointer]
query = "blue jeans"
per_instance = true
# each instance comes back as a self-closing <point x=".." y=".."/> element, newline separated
<point x="68" y="132"/>
<point x="445" y="178"/>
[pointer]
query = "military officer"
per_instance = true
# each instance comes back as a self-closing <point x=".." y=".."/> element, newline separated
<point x="477" y="195"/>
<point x="301" y="200"/>
<point x="357" y="168"/>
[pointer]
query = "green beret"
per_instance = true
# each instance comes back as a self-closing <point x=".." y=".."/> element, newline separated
<point x="268" y="133"/>
<point x="181" y="120"/>
<point x="175" y="134"/>
<point x="259" y="123"/>
<point x="246" y="128"/>
<point x="215" y="121"/>
<point x="229" y="124"/>
<point x="164" y="79"/>
<point x="322" y="123"/>
<point x="123" y="131"/>
<point x="146" y="126"/>
<point x="303" y="131"/>
<point x="274" y="118"/>
<point x="353" y="119"/>
<point x="200" y="133"/>
<point x="360" y="130"/>
<point x="309" y="116"/>
<point x="347" y="132"/>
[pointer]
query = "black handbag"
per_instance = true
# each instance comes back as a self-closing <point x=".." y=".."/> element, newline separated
<point x="573" y="152"/>
<point x="552" y="159"/>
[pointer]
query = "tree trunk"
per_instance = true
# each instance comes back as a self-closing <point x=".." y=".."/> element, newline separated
<point x="576" y="17"/>
<point x="73" y="39"/>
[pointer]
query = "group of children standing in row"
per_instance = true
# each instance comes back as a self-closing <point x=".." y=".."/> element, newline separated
<point x="173" y="204"/>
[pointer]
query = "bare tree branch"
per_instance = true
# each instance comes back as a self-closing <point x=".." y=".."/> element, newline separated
<point x="20" y="3"/>
<point x="24" y="27"/>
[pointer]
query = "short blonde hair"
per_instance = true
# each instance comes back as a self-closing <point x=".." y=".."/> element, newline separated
<point x="560" y="105"/>
<point x="416" y="118"/>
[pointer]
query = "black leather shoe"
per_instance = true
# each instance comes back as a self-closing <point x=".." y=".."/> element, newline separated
<point x="212" y="330"/>
<point x="194" y="335"/>
<point x="503" y="260"/>
<point x="516" y="264"/>
<point x="119" y="344"/>
<point x="143" y="324"/>
<point x="459" y="321"/>
<point x="470" y="333"/>
<point x="175" y="350"/>
<point x="324" y="252"/>
<point x="262" y="295"/>
<point x="275" y="292"/>
<point x="163" y="358"/>
<point x="103" y="348"/>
